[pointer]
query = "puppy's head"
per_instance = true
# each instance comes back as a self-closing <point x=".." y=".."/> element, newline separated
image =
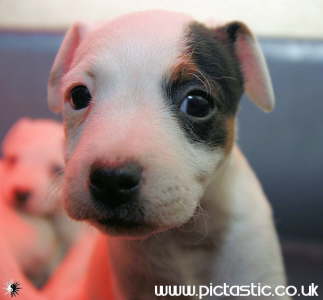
<point x="33" y="157"/>
<point x="149" y="102"/>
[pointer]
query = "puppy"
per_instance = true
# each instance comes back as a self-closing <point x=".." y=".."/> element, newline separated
<point x="33" y="158"/>
<point x="30" y="240"/>
<point x="32" y="163"/>
<point x="149" y="102"/>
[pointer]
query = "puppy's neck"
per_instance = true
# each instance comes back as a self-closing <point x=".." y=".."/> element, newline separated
<point x="177" y="256"/>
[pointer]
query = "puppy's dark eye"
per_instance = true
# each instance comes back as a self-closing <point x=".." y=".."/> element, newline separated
<point x="56" y="169"/>
<point x="80" y="97"/>
<point x="197" y="105"/>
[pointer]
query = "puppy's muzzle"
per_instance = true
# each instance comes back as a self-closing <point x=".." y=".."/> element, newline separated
<point x="21" y="197"/>
<point x="112" y="187"/>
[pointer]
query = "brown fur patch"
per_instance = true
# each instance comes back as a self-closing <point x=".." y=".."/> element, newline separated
<point x="184" y="69"/>
<point x="230" y="126"/>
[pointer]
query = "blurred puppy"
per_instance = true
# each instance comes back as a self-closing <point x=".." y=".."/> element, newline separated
<point x="33" y="159"/>
<point x="31" y="170"/>
<point x="30" y="239"/>
<point x="149" y="103"/>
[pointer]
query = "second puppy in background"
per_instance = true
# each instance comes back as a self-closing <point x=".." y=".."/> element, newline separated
<point x="31" y="170"/>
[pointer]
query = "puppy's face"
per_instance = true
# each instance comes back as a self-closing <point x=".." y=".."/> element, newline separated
<point x="33" y="157"/>
<point x="149" y="102"/>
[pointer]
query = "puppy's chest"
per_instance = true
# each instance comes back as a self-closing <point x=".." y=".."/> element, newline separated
<point x="188" y="264"/>
<point x="174" y="262"/>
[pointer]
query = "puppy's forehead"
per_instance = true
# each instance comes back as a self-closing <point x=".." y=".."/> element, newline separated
<point x="155" y="38"/>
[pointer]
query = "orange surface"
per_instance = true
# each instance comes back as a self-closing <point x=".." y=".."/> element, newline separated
<point x="83" y="275"/>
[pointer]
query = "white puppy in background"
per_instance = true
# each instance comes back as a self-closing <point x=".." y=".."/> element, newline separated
<point x="33" y="158"/>
<point x="31" y="169"/>
<point x="30" y="239"/>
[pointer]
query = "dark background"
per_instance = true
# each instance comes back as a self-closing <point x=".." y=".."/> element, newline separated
<point x="285" y="147"/>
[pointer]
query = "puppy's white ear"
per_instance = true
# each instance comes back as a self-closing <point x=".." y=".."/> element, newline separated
<point x="257" y="81"/>
<point x="62" y="63"/>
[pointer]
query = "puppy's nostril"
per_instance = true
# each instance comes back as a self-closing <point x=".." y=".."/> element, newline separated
<point x="98" y="179"/>
<point x="128" y="177"/>
<point x="114" y="186"/>
<point x="22" y="196"/>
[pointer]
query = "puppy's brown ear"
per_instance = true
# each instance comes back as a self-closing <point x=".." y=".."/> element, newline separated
<point x="62" y="63"/>
<point x="258" y="84"/>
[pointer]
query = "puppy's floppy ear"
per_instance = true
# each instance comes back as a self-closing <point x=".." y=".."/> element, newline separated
<point x="62" y="63"/>
<point x="257" y="81"/>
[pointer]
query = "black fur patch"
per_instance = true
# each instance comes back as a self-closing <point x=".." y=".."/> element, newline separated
<point x="218" y="75"/>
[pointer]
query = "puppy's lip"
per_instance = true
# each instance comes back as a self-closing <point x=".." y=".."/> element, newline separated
<point x="119" y="223"/>
<point x="119" y="228"/>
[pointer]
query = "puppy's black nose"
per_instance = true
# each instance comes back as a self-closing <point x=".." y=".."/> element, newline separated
<point x="21" y="197"/>
<point x="115" y="186"/>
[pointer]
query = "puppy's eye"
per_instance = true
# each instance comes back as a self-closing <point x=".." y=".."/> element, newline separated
<point x="11" y="160"/>
<point x="80" y="97"/>
<point x="197" y="104"/>
<point x="56" y="169"/>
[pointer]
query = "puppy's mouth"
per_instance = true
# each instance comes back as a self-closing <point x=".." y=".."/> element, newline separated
<point x="125" y="221"/>
<point x="123" y="228"/>
<point x="116" y="222"/>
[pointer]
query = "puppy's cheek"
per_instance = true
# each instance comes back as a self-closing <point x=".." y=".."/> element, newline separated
<point x="4" y="187"/>
<point x="7" y="195"/>
<point x="204" y="162"/>
<point x="72" y="139"/>
<point x="177" y="213"/>
<point x="74" y="189"/>
<point x="8" y="189"/>
<point x="171" y="204"/>
<point x="75" y="202"/>
<point x="172" y="191"/>
<point x="73" y="124"/>
<point x="39" y="187"/>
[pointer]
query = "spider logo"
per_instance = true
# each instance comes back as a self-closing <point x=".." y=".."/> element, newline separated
<point x="12" y="288"/>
